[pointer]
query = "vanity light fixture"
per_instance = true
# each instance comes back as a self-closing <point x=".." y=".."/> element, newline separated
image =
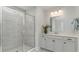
<point x="60" y="11"/>
<point x="56" y="13"/>
<point x="52" y="14"/>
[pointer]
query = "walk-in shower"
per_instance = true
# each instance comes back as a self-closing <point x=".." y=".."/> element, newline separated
<point x="17" y="30"/>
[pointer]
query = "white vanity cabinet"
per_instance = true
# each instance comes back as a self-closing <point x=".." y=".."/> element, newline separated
<point x="59" y="43"/>
<point x="54" y="43"/>
<point x="50" y="44"/>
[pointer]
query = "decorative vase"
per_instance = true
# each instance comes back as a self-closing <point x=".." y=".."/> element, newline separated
<point x="45" y="29"/>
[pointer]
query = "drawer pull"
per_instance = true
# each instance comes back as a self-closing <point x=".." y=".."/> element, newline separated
<point x="69" y="39"/>
<point x="53" y="40"/>
<point x="64" y="42"/>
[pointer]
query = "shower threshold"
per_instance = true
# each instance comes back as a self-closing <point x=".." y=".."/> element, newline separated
<point x="20" y="49"/>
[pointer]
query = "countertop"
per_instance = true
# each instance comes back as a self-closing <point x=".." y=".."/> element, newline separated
<point x="64" y="34"/>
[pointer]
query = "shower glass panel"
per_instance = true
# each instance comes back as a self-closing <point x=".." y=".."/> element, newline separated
<point x="11" y="30"/>
<point x="29" y="33"/>
<point x="17" y="30"/>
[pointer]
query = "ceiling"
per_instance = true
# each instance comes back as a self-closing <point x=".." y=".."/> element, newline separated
<point x="29" y="7"/>
<point x="25" y="7"/>
<point x="46" y="8"/>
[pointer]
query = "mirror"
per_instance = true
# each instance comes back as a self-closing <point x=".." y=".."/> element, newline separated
<point x="56" y="24"/>
<point x="62" y="25"/>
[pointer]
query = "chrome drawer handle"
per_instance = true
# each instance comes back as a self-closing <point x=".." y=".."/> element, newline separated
<point x="64" y="42"/>
<point x="53" y="40"/>
<point x="69" y="39"/>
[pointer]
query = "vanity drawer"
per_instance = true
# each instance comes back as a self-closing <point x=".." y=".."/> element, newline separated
<point x="70" y="38"/>
<point x="57" y="37"/>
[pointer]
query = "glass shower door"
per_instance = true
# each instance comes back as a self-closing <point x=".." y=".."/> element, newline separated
<point x="29" y="33"/>
<point x="11" y="30"/>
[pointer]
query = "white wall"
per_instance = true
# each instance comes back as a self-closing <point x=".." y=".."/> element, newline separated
<point x="31" y="11"/>
<point x="39" y="21"/>
<point x="77" y="11"/>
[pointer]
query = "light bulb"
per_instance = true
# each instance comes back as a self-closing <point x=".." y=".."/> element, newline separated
<point x="56" y="12"/>
<point x="52" y="14"/>
<point x="60" y="12"/>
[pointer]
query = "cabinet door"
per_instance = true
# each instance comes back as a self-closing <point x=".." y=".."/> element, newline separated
<point x="69" y="46"/>
<point x="59" y="45"/>
<point x="42" y="42"/>
<point x="50" y="44"/>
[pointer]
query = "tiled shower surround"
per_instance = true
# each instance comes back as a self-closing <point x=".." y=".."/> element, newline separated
<point x="16" y="30"/>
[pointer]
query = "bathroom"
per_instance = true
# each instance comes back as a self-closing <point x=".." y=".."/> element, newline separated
<point x="22" y="29"/>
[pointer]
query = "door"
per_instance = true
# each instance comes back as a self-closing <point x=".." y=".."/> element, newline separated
<point x="50" y="44"/>
<point x="69" y="46"/>
<point x="59" y="45"/>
